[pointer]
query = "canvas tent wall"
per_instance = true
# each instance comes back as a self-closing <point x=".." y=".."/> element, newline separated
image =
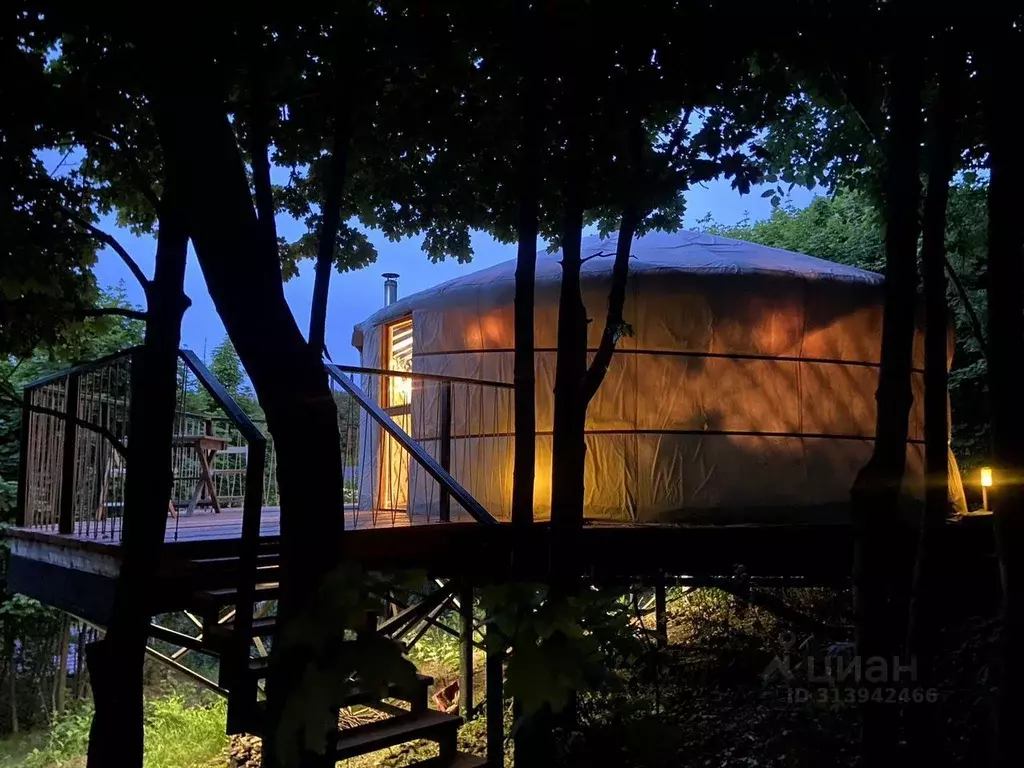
<point x="745" y="391"/>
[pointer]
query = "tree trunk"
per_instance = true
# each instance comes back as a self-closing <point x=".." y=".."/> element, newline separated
<point x="568" y="442"/>
<point x="614" y="325"/>
<point x="243" y="274"/>
<point x="116" y="661"/>
<point x="80" y="672"/>
<point x="876" y="492"/>
<point x="926" y="603"/>
<point x="349" y="35"/>
<point x="330" y="222"/>
<point x="1000" y="66"/>
<point x="524" y="377"/>
<point x="570" y="412"/>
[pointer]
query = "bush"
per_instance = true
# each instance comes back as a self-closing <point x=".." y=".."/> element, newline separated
<point x="177" y="736"/>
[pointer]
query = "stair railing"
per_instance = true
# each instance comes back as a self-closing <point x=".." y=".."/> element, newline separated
<point x="438" y="469"/>
<point x="241" y="687"/>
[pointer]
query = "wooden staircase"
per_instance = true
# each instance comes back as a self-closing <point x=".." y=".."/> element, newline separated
<point x="247" y="714"/>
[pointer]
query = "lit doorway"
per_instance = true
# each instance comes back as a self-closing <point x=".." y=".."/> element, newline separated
<point x="397" y="393"/>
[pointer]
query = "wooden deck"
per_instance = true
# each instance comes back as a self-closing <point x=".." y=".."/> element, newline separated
<point x="77" y="572"/>
<point x="207" y="525"/>
<point x="809" y="553"/>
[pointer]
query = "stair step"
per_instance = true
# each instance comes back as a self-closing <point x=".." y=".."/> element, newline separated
<point x="428" y="724"/>
<point x="266" y="626"/>
<point x="458" y="760"/>
<point x="232" y="562"/>
<point x="264" y="590"/>
<point x="261" y="627"/>
<point x="261" y="664"/>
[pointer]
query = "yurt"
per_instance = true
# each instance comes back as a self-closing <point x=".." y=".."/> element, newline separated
<point x="744" y="393"/>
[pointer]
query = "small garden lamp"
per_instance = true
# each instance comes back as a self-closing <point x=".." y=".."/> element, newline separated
<point x="986" y="483"/>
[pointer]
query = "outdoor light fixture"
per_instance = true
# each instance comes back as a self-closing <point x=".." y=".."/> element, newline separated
<point x="986" y="483"/>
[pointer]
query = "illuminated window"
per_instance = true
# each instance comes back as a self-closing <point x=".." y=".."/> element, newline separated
<point x="394" y="489"/>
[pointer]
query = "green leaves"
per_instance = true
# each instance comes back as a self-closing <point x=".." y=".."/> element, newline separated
<point x="328" y="648"/>
<point x="544" y="674"/>
<point x="560" y="643"/>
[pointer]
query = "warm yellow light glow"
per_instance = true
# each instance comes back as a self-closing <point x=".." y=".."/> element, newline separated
<point x="986" y="477"/>
<point x="404" y="389"/>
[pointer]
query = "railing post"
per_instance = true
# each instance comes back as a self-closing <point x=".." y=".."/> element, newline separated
<point x="66" y="523"/>
<point x="26" y="415"/>
<point x="101" y="462"/>
<point x="445" y="451"/>
<point x="660" y="616"/>
<point x="466" y="650"/>
<point x="494" y="684"/>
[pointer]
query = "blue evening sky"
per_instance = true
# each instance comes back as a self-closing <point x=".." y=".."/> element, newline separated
<point x="356" y="295"/>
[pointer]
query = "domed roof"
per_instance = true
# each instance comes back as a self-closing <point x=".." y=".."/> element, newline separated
<point x="681" y="252"/>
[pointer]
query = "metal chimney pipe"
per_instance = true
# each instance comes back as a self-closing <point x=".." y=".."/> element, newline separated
<point x="390" y="288"/>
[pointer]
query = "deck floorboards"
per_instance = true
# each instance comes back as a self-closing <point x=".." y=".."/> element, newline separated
<point x="207" y="525"/>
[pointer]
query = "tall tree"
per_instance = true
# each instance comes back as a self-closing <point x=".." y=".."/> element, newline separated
<point x="925" y="608"/>
<point x="349" y="33"/>
<point x="1000" y="67"/>
<point x="531" y="99"/>
<point x="198" y="142"/>
<point x="638" y="124"/>
<point x="116" y="661"/>
<point x="876" y="491"/>
<point x="117" y="726"/>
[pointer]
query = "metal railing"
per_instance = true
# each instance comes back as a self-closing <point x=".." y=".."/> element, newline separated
<point x="76" y="436"/>
<point x="417" y="448"/>
<point x="73" y="453"/>
<point x="432" y="448"/>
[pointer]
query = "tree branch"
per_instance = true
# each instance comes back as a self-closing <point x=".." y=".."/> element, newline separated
<point x="679" y="134"/>
<point x="112" y="243"/>
<point x="259" y="141"/>
<point x="968" y="305"/>
<point x="133" y="314"/>
<point x="348" y="42"/>
<point x="614" y="324"/>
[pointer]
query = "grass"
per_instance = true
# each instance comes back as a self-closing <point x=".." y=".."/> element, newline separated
<point x="177" y="736"/>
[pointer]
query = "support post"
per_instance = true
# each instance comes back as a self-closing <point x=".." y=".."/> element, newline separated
<point x="493" y="689"/>
<point x="66" y="522"/>
<point x="26" y="415"/>
<point x="445" y="450"/>
<point x="660" y="619"/>
<point x="466" y="650"/>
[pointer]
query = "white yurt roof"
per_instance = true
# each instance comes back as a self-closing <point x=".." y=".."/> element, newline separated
<point x="681" y="252"/>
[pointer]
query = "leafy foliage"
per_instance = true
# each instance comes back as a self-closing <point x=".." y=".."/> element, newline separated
<point x="82" y="340"/>
<point x="560" y="643"/>
<point x="334" y="653"/>
<point x="227" y="368"/>
<point x="45" y="274"/>
<point x="178" y="735"/>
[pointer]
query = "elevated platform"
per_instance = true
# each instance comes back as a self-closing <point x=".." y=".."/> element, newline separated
<point x="76" y="572"/>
